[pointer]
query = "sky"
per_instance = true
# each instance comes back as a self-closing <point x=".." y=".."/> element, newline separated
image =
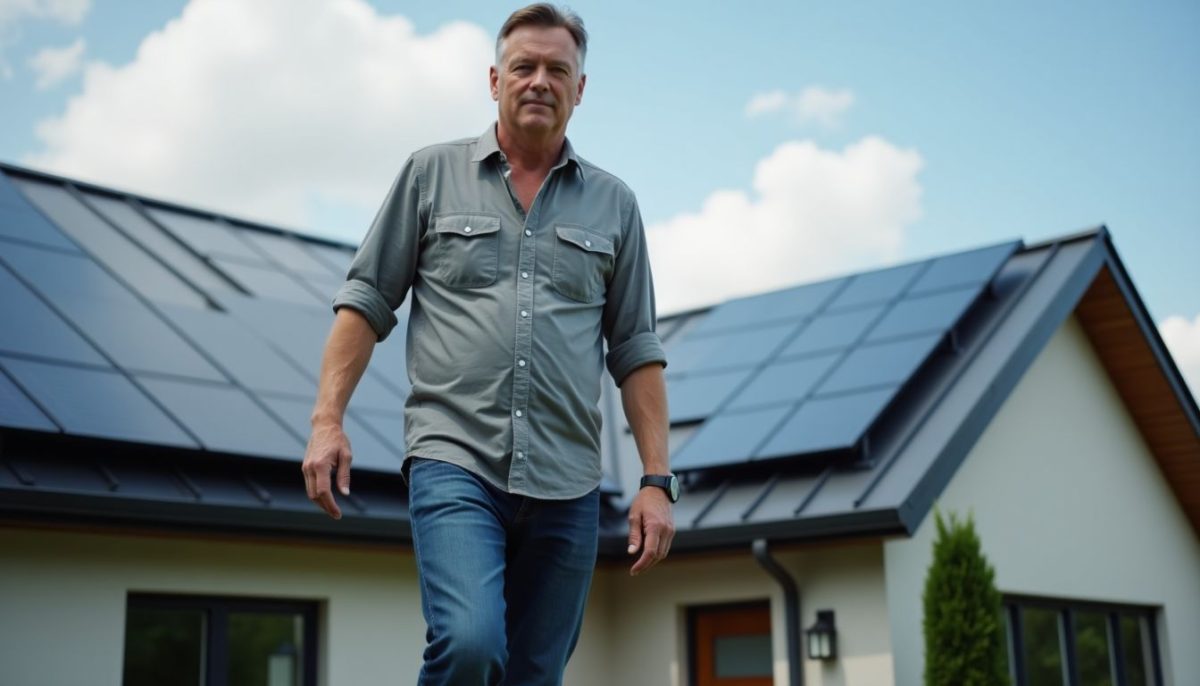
<point x="769" y="143"/>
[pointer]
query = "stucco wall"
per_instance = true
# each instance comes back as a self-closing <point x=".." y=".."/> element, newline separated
<point x="1068" y="503"/>
<point x="62" y="600"/>
<point x="642" y="620"/>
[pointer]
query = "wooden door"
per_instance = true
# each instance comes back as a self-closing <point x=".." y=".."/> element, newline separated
<point x="731" y="645"/>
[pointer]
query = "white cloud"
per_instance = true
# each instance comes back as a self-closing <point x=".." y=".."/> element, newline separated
<point x="69" y="12"/>
<point x="1183" y="340"/>
<point x="276" y="109"/>
<point x="52" y="65"/>
<point x="811" y="105"/>
<point x="813" y="213"/>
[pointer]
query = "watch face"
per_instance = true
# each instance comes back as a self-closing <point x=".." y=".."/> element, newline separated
<point x="673" y="488"/>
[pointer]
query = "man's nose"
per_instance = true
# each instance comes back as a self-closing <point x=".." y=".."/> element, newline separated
<point x="541" y="79"/>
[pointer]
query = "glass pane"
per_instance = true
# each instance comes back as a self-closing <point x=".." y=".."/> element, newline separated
<point x="1134" y="644"/>
<point x="1043" y="646"/>
<point x="1092" y="649"/>
<point x="743" y="656"/>
<point x="265" y="649"/>
<point x="163" y="647"/>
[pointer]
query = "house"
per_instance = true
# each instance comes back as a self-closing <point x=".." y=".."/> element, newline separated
<point x="157" y="368"/>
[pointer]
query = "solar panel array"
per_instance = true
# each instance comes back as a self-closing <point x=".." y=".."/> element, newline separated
<point x="810" y="369"/>
<point x="147" y="324"/>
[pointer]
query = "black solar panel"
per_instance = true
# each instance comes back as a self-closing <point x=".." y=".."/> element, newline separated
<point x="873" y="288"/>
<point x="96" y="402"/>
<point x="288" y="252"/>
<point x="972" y="268"/>
<point x="784" y="382"/>
<point x="792" y="305"/>
<point x="267" y="282"/>
<point x="337" y="259"/>
<point x="207" y="237"/>
<point x="833" y="331"/>
<point x="18" y="411"/>
<point x="741" y="348"/>
<point x="160" y="243"/>
<point x="136" y="267"/>
<point x="696" y="396"/>
<point x="20" y="220"/>
<point x="921" y="314"/>
<point x="108" y="313"/>
<point x="224" y="418"/>
<point x="32" y="328"/>
<point x="728" y="438"/>
<point x="823" y="424"/>
<point x="883" y="364"/>
<point x="368" y="450"/>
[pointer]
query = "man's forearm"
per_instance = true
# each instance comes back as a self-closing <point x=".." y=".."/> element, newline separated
<point x="347" y="352"/>
<point x="644" y="398"/>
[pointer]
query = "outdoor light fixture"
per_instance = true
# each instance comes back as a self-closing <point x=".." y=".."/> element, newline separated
<point x="822" y="637"/>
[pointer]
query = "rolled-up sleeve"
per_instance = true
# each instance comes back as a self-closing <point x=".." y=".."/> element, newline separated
<point x="386" y="263"/>
<point x="629" y="313"/>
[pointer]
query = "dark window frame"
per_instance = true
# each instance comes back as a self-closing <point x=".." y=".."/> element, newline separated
<point x="218" y="609"/>
<point x="1066" y="610"/>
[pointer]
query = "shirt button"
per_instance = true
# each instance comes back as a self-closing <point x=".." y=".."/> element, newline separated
<point x="524" y="313"/>
<point x="467" y="229"/>
<point x="519" y="414"/>
<point x="520" y="455"/>
<point x="586" y="243"/>
<point x="520" y="363"/>
<point x="528" y="232"/>
<point x="524" y="275"/>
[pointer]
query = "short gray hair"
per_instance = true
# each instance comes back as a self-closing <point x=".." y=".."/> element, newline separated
<point x="547" y="15"/>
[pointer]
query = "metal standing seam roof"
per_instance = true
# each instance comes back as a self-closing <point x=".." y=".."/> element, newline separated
<point x="166" y="359"/>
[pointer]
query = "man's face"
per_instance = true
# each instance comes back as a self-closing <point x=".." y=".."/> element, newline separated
<point x="537" y="81"/>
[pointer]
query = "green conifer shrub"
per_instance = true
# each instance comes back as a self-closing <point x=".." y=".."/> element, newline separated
<point x="964" y="629"/>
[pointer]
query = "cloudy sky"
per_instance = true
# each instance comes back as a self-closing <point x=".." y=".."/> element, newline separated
<point x="770" y="143"/>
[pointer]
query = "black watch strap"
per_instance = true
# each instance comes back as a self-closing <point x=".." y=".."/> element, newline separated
<point x="668" y="482"/>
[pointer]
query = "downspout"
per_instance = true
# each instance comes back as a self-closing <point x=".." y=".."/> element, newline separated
<point x="791" y="607"/>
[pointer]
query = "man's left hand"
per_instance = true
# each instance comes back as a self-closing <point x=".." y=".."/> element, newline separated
<point x="651" y="528"/>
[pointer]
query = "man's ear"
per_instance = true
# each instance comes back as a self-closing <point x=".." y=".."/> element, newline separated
<point x="579" y="93"/>
<point x="494" y="82"/>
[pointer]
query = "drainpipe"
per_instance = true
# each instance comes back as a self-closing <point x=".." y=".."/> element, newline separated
<point x="791" y="606"/>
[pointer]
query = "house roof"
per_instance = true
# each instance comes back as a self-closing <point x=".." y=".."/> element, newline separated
<point x="165" y="362"/>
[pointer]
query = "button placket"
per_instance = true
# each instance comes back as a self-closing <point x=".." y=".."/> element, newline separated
<point x="523" y="348"/>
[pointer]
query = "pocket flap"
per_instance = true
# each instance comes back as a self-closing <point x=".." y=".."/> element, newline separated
<point x="467" y="225"/>
<point x="584" y="239"/>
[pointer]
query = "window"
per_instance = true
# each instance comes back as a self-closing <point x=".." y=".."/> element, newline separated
<point x="206" y="641"/>
<point x="1061" y="643"/>
<point x="731" y="645"/>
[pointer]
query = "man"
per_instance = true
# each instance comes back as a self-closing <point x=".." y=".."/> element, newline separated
<point x="521" y="258"/>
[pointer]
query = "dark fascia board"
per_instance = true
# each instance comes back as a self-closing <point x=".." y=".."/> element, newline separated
<point x="958" y="445"/>
<point x="9" y="168"/>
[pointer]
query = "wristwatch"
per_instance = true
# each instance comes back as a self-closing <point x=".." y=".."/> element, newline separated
<point x="669" y="483"/>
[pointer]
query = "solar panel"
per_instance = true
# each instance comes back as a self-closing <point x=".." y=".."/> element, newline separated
<point x="96" y="402"/>
<point x="936" y="312"/>
<point x="729" y="437"/>
<point x="20" y="220"/>
<point x="18" y="411"/>
<point x="224" y="418"/>
<point x="876" y="287"/>
<point x="972" y="268"/>
<point x="337" y="259"/>
<point x="697" y="396"/>
<point x="267" y="282"/>
<point x="245" y="355"/>
<point x="884" y="364"/>
<point x="136" y="267"/>
<point x="110" y="316"/>
<point x="741" y="348"/>
<point x="792" y="305"/>
<point x="783" y="382"/>
<point x="368" y="451"/>
<point x="288" y="252"/>
<point x="823" y="424"/>
<point x="206" y="236"/>
<point x="160" y="243"/>
<point x="832" y="331"/>
<point x="32" y="328"/>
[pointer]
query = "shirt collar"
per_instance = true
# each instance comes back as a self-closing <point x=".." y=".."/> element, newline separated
<point x="487" y="145"/>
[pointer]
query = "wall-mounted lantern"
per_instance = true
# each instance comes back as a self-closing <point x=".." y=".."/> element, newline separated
<point x="822" y="637"/>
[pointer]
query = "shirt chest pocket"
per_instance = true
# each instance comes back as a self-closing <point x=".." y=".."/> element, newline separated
<point x="582" y="262"/>
<point x="466" y="250"/>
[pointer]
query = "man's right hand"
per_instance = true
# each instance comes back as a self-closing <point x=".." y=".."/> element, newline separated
<point x="328" y="451"/>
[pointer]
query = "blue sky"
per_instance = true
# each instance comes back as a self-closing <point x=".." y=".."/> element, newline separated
<point x="990" y="121"/>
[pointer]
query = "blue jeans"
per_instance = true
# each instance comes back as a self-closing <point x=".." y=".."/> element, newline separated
<point x="504" y="578"/>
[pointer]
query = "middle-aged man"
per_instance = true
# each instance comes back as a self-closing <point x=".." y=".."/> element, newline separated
<point x="521" y="258"/>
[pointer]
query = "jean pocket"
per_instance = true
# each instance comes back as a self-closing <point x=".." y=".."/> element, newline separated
<point x="466" y="250"/>
<point x="583" y="260"/>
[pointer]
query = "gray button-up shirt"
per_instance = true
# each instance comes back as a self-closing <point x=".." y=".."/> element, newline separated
<point x="509" y="310"/>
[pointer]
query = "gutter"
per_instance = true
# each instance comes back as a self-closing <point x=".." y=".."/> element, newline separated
<point x="791" y="606"/>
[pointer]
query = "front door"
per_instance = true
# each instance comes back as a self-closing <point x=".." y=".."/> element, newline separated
<point x="731" y="645"/>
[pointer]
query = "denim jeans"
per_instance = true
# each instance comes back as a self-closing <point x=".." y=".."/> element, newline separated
<point x="504" y="578"/>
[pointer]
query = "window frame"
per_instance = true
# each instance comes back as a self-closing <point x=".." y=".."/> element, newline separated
<point x="217" y="610"/>
<point x="695" y="651"/>
<point x="1065" y="611"/>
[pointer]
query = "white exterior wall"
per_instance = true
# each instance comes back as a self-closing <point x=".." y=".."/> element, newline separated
<point x="636" y="628"/>
<point x="63" y="595"/>
<point x="1069" y="503"/>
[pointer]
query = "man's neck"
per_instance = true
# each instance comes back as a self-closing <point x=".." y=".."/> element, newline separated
<point x="530" y="154"/>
